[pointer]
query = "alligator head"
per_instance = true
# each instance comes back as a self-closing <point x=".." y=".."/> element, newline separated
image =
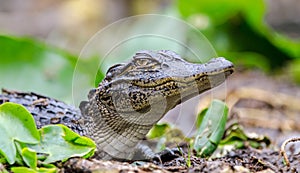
<point x="135" y="95"/>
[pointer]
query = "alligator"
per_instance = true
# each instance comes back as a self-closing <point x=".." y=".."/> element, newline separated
<point x="131" y="98"/>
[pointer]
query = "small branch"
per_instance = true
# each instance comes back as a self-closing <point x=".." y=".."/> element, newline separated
<point x="282" y="150"/>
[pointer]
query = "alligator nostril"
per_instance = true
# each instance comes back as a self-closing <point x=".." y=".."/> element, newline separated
<point x="164" y="65"/>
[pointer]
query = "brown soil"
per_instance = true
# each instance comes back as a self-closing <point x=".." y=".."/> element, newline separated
<point x="244" y="160"/>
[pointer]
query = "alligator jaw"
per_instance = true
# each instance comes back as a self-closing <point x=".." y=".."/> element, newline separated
<point x="202" y="77"/>
<point x="209" y="75"/>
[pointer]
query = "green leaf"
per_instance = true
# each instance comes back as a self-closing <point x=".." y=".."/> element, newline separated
<point x="211" y="129"/>
<point x="200" y="117"/>
<point x="16" y="124"/>
<point x="30" y="158"/>
<point x="60" y="143"/>
<point x="158" y="130"/>
<point x="29" y="170"/>
<point x="236" y="136"/>
<point x="164" y="134"/>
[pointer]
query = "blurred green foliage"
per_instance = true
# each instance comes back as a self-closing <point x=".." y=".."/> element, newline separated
<point x="30" y="65"/>
<point x="237" y="31"/>
<point x="294" y="70"/>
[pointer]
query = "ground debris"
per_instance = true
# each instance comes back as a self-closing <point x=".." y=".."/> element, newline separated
<point x="78" y="165"/>
<point x="241" y="160"/>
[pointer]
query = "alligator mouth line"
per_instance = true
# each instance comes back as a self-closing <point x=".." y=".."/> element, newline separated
<point x="183" y="80"/>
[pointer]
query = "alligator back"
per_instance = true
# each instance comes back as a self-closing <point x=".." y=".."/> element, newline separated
<point x="46" y="110"/>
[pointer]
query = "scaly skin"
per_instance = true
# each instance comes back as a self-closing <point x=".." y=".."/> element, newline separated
<point x="136" y="95"/>
<point x="46" y="110"/>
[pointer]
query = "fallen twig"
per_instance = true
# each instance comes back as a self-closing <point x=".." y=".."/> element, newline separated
<point x="282" y="150"/>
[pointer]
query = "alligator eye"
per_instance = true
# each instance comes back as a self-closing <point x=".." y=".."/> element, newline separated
<point x="145" y="62"/>
<point x="142" y="62"/>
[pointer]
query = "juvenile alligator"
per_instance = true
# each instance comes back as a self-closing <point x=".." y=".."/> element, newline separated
<point x="131" y="98"/>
